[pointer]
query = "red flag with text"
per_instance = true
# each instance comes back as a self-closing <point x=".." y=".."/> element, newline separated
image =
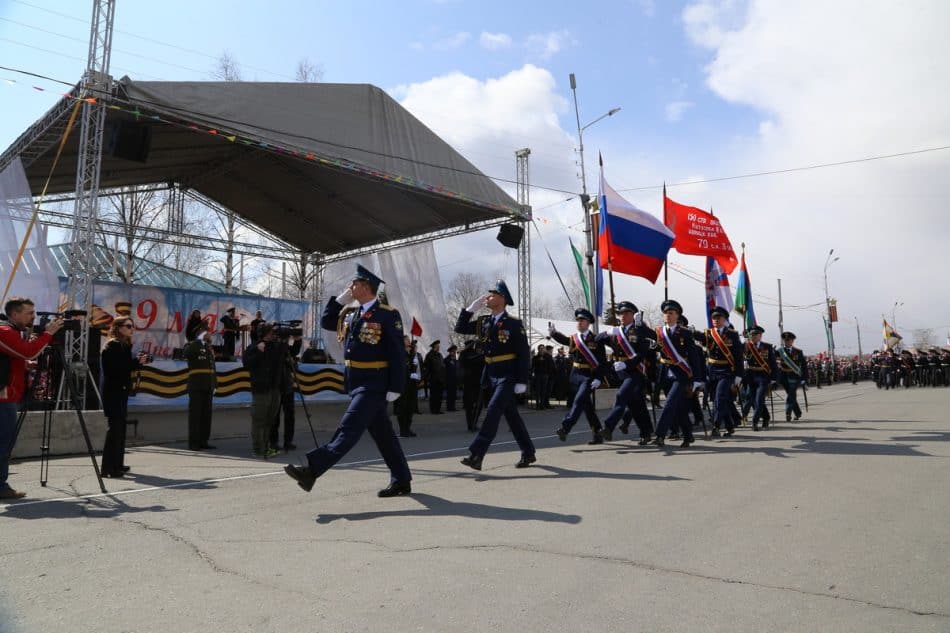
<point x="416" y="329"/>
<point x="698" y="233"/>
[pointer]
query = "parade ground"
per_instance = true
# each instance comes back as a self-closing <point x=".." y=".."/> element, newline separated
<point x="839" y="522"/>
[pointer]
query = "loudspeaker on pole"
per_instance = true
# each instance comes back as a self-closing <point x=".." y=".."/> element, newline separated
<point x="510" y="235"/>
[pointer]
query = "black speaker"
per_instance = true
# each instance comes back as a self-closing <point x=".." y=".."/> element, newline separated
<point x="510" y="235"/>
<point x="128" y="140"/>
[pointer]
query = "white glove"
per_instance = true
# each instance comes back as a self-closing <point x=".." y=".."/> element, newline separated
<point x="620" y="365"/>
<point x="737" y="380"/>
<point x="392" y="396"/>
<point x="616" y="331"/>
<point x="520" y="388"/>
<point x="638" y="319"/>
<point x="414" y="376"/>
<point x="551" y="330"/>
<point x="594" y="383"/>
<point x="345" y="297"/>
<point x="699" y="386"/>
<point x="476" y="305"/>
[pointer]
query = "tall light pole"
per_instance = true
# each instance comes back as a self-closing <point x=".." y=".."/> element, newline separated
<point x="585" y="199"/>
<point x="831" y="335"/>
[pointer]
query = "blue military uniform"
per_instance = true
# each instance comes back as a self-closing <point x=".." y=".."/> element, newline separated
<point x="374" y="360"/>
<point x="794" y="372"/>
<point x="761" y="372"/>
<point x="724" y="364"/>
<point x="584" y="370"/>
<point x="680" y="365"/>
<point x="504" y="343"/>
<point x="630" y="393"/>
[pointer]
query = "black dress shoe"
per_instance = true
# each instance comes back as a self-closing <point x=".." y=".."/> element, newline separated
<point x="659" y="441"/>
<point x="395" y="489"/>
<point x="686" y="443"/>
<point x="526" y="460"/>
<point x="473" y="462"/>
<point x="755" y="427"/>
<point x="194" y="448"/>
<point x="597" y="439"/>
<point x="289" y="446"/>
<point x="798" y="417"/>
<point x="716" y="433"/>
<point x="765" y="424"/>
<point x="209" y="447"/>
<point x="729" y="433"/>
<point x="126" y="469"/>
<point x="644" y="441"/>
<point x="607" y="435"/>
<point x="788" y="417"/>
<point x="561" y="433"/>
<point x="302" y="475"/>
<point x="625" y="427"/>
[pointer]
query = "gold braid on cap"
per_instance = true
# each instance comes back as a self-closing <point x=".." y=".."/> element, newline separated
<point x="343" y="323"/>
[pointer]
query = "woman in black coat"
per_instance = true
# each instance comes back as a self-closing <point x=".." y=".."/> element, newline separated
<point x="191" y="327"/>
<point x="117" y="366"/>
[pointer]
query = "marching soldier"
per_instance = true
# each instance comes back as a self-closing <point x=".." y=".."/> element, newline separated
<point x="589" y="364"/>
<point x="472" y="363"/>
<point x="761" y="372"/>
<point x="632" y="344"/>
<point x="724" y="369"/>
<point x="507" y="358"/>
<point x="794" y="372"/>
<point x="374" y="375"/>
<point x="681" y="369"/>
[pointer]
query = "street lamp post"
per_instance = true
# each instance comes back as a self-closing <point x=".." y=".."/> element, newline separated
<point x="585" y="199"/>
<point x="831" y="334"/>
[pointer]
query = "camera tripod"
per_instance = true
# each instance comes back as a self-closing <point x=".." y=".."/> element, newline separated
<point x="41" y="392"/>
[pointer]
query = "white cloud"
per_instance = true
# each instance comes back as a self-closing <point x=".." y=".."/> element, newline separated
<point x="458" y="40"/>
<point x="676" y="109"/>
<point x="546" y="45"/>
<point x="494" y="41"/>
<point x="836" y="81"/>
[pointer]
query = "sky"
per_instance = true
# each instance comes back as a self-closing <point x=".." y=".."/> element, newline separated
<point x="708" y="91"/>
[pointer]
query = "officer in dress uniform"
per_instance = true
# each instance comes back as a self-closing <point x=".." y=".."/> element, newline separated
<point x="202" y="381"/>
<point x="793" y="372"/>
<point x="589" y="366"/>
<point x="229" y="325"/>
<point x="504" y="343"/>
<point x="761" y="373"/>
<point x="681" y="367"/>
<point x="724" y="368"/>
<point x="632" y="344"/>
<point x="374" y="374"/>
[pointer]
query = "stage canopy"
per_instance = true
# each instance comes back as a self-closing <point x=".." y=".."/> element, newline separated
<point x="329" y="168"/>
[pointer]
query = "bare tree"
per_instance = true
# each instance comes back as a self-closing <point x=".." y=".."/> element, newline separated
<point x="564" y="307"/>
<point x="308" y="72"/>
<point x="542" y="307"/>
<point x="227" y="68"/>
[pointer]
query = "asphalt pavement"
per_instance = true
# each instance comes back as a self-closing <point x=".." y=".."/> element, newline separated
<point x="839" y="522"/>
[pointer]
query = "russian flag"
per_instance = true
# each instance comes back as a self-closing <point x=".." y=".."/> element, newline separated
<point x="630" y="241"/>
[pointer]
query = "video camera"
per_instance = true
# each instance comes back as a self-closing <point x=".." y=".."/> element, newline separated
<point x="286" y="329"/>
<point x="72" y="321"/>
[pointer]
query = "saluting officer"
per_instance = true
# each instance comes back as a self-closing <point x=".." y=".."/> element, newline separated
<point x="589" y="365"/>
<point x="681" y="367"/>
<point x="724" y="368"/>
<point x="794" y="372"/>
<point x="632" y="344"/>
<point x="507" y="357"/>
<point x="761" y="372"/>
<point x="374" y="374"/>
<point x="202" y="381"/>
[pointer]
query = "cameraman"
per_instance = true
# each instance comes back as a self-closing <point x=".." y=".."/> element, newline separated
<point x="17" y="346"/>
<point x="264" y="361"/>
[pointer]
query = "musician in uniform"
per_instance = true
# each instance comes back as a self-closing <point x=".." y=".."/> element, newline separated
<point x="229" y="331"/>
<point x="681" y="368"/>
<point x="793" y="372"/>
<point x="761" y="373"/>
<point x="202" y="381"/>
<point x="589" y="366"/>
<point x="632" y="344"/>
<point x="374" y="374"/>
<point x="724" y="369"/>
<point x="504" y="343"/>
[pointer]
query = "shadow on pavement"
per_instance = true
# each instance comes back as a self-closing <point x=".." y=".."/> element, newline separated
<point x="100" y="508"/>
<point x="439" y="507"/>
<point x="556" y="472"/>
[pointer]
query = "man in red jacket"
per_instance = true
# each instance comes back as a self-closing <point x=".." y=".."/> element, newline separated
<point x="17" y="346"/>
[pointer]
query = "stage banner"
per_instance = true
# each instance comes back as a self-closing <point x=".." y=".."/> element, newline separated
<point x="160" y="314"/>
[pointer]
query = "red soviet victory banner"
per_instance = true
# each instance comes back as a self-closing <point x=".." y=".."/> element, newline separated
<point x="416" y="329"/>
<point x="698" y="233"/>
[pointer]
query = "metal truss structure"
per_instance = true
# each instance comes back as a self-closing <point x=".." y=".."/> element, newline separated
<point x="524" y="249"/>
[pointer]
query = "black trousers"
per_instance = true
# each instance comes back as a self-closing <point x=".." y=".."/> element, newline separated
<point x="113" y="452"/>
<point x="435" y="396"/>
<point x="287" y="407"/>
<point x="199" y="417"/>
